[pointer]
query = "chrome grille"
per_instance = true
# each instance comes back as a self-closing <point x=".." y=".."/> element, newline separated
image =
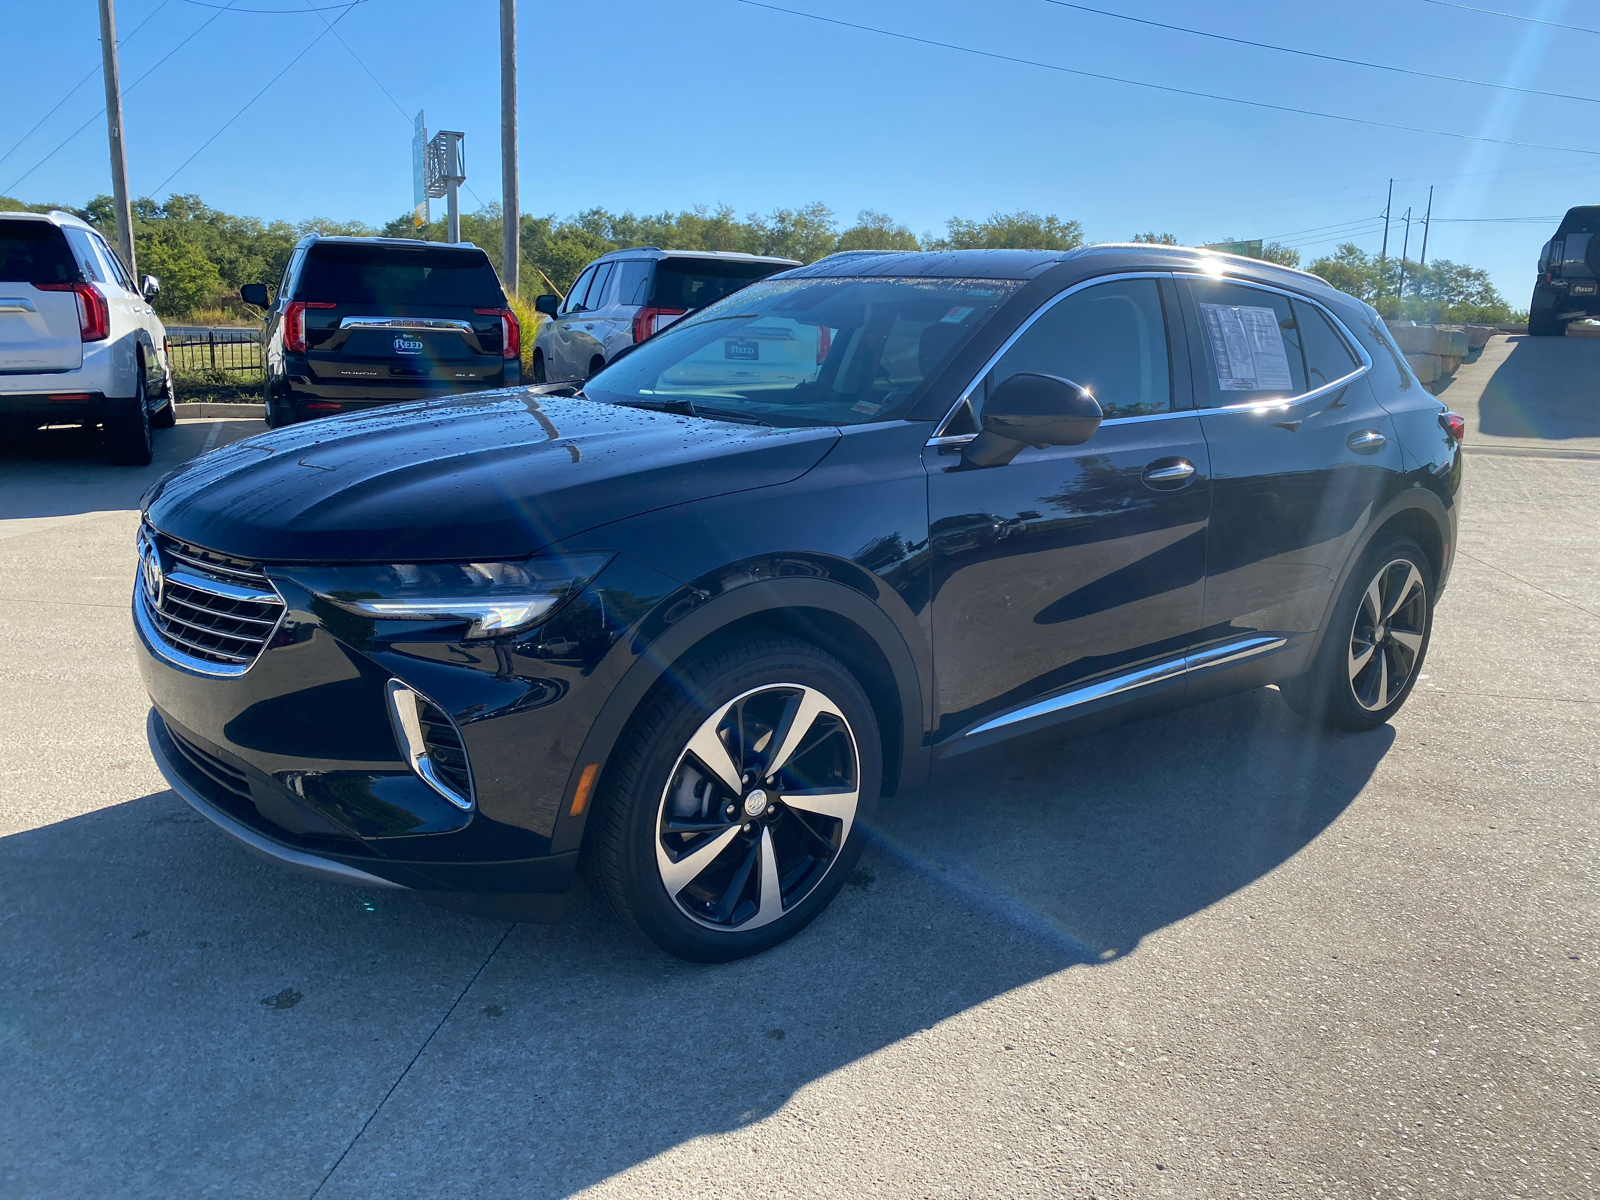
<point x="203" y="610"/>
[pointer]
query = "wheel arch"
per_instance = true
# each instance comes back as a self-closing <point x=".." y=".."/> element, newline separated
<point x="829" y="615"/>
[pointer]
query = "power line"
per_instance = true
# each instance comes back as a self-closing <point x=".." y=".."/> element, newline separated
<point x="275" y="12"/>
<point x="254" y="98"/>
<point x="1353" y="62"/>
<point x="1489" y="12"/>
<point x="63" y="142"/>
<point x="72" y="91"/>
<point x="1161" y="87"/>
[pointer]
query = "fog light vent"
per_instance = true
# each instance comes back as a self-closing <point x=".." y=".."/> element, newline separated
<point x="432" y="744"/>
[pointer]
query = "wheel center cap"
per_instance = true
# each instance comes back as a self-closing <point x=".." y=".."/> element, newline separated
<point x="755" y="803"/>
<point x="1377" y="634"/>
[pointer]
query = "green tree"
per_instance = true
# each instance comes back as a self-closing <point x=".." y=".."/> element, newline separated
<point x="1011" y="231"/>
<point x="189" y="280"/>
<point x="1155" y="239"/>
<point x="876" y="231"/>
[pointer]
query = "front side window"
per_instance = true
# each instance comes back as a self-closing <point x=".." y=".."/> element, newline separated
<point x="597" y="287"/>
<point x="797" y="352"/>
<point x="579" y="289"/>
<point x="1110" y="339"/>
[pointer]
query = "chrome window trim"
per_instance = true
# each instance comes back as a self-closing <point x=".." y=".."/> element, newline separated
<point x="1171" y="668"/>
<point x="423" y="324"/>
<point x="1278" y="406"/>
<point x="939" y="437"/>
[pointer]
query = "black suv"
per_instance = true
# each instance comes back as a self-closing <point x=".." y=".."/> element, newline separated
<point x="688" y="624"/>
<point x="1567" y="287"/>
<point x="366" y="321"/>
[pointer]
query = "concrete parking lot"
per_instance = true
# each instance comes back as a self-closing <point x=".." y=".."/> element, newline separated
<point x="1218" y="954"/>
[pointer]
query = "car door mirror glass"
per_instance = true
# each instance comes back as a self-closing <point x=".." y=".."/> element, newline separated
<point x="548" y="305"/>
<point x="1030" y="409"/>
<point x="149" y="286"/>
<point x="255" y="293"/>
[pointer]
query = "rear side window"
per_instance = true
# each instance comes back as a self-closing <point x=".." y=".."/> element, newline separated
<point x="393" y="275"/>
<point x="113" y="263"/>
<point x="634" y="282"/>
<point x="1327" y="356"/>
<point x="35" y="252"/>
<point x="688" y="283"/>
<point x="95" y="269"/>
<point x="1252" y="344"/>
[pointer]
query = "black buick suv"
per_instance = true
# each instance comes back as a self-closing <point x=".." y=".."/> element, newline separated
<point x="361" y="322"/>
<point x="685" y="626"/>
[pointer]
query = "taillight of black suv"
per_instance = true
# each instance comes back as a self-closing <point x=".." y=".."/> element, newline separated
<point x="361" y="322"/>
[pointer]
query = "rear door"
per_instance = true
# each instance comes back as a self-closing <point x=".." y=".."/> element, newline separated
<point x="391" y="317"/>
<point x="39" y="330"/>
<point x="1301" y="454"/>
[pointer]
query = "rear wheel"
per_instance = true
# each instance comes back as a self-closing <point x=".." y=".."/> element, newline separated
<point x="129" y="439"/>
<point x="538" y="367"/>
<point x="1546" y="324"/>
<point x="1374" y="648"/>
<point x="733" y="810"/>
<point x="596" y="365"/>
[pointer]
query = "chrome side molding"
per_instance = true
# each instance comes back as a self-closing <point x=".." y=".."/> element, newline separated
<point x="1171" y="668"/>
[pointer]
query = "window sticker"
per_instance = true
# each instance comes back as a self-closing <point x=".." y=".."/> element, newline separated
<point x="955" y="316"/>
<point x="1248" y="348"/>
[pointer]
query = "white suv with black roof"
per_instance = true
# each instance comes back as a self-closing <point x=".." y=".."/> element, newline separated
<point x="623" y="297"/>
<point x="80" y="343"/>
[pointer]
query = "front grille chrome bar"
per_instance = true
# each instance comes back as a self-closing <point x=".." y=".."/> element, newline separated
<point x="202" y="611"/>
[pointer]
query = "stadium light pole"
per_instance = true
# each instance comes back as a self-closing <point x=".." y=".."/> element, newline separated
<point x="510" y="201"/>
<point x="119" y="155"/>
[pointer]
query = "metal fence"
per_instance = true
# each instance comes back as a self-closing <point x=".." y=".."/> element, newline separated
<point x="199" y="349"/>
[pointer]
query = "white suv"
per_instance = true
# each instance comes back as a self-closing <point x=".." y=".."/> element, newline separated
<point x="80" y="343"/>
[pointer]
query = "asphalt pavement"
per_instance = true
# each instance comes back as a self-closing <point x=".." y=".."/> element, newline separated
<point x="1216" y="954"/>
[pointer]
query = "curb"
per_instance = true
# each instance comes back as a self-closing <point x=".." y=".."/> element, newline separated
<point x="195" y="410"/>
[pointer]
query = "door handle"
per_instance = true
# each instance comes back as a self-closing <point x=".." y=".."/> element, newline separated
<point x="1366" y="441"/>
<point x="1168" y="473"/>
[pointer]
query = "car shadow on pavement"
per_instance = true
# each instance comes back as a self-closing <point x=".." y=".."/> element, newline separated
<point x="1547" y="388"/>
<point x="61" y="471"/>
<point x="199" y="1017"/>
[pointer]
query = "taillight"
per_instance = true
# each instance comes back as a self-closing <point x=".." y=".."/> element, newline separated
<point x="1454" y="424"/>
<point x="510" y="330"/>
<point x="1558" y="251"/>
<point x="824" y="343"/>
<point x="648" y="321"/>
<point x="94" y="314"/>
<point x="294" y="324"/>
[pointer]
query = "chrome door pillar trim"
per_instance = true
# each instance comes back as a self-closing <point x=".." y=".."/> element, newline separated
<point x="1181" y="664"/>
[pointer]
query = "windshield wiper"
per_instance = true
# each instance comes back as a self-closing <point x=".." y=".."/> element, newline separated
<point x="684" y="407"/>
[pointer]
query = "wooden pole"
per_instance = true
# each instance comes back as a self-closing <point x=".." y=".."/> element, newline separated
<point x="119" y="156"/>
<point x="510" y="200"/>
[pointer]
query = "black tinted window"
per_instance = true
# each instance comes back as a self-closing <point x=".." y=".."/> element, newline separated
<point x="696" y="282"/>
<point x="393" y="275"/>
<point x="574" y="302"/>
<point x="1252" y="344"/>
<point x="89" y="259"/>
<point x="1327" y="356"/>
<point x="35" y="252"/>
<point x="1111" y="339"/>
<point x="596" y="294"/>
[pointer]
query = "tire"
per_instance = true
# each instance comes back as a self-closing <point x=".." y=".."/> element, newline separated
<point x="129" y="438"/>
<point x="1352" y="682"/>
<point x="596" y="365"/>
<point x="538" y="367"/>
<point x="166" y="416"/>
<point x="755" y="865"/>
<point x="1546" y="324"/>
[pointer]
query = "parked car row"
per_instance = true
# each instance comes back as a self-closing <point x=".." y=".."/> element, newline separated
<point x="80" y="342"/>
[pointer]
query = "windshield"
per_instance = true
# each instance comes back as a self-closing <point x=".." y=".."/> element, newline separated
<point x="794" y="352"/>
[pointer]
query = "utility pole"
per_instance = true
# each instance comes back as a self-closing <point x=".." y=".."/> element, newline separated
<point x="1405" y="246"/>
<point x="1426" y="221"/>
<point x="510" y="201"/>
<point x="1383" y="255"/>
<point x="119" y="155"/>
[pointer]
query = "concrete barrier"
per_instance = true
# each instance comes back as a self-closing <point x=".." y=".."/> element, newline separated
<point x="1424" y="366"/>
<point x="196" y="410"/>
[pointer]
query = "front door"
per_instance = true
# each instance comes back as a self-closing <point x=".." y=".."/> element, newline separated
<point x="1074" y="563"/>
<point x="1302" y="455"/>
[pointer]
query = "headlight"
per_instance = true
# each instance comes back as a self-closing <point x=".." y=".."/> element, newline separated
<point x="492" y="597"/>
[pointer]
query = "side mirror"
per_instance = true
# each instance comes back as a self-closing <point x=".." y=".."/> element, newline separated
<point x="1032" y="410"/>
<point x="149" y="286"/>
<point x="256" y="294"/>
<point x="548" y="305"/>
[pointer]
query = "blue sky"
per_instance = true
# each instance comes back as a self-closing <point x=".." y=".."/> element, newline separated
<point x="663" y="105"/>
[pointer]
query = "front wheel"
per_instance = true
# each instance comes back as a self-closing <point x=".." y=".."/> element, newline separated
<point x="734" y="809"/>
<point x="1373" y="651"/>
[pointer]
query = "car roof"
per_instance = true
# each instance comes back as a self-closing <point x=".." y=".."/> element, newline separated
<point x="408" y="243"/>
<point x="656" y="253"/>
<point x="1104" y="258"/>
<point x="54" y="217"/>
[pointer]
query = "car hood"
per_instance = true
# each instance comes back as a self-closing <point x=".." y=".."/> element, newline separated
<point x="484" y="476"/>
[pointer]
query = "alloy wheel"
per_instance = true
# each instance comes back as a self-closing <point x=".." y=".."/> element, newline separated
<point x="1386" y="642"/>
<point x="758" y="806"/>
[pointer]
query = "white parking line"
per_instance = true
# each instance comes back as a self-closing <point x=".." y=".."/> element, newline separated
<point x="211" y="438"/>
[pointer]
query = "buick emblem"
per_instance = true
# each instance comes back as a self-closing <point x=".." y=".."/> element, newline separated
<point x="154" y="581"/>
